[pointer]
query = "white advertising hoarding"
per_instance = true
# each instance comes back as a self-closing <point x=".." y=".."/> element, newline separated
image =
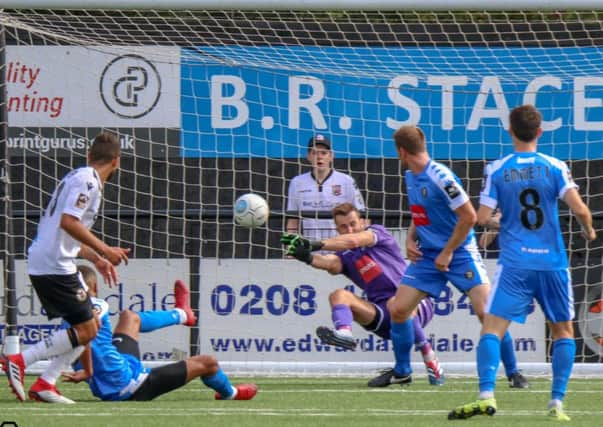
<point x="268" y="310"/>
<point x="95" y="86"/>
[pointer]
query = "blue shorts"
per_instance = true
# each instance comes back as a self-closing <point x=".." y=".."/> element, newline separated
<point x="466" y="271"/>
<point x="513" y="290"/>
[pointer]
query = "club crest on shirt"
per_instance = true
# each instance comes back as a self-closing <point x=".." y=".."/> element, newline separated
<point x="336" y="189"/>
<point x="424" y="192"/>
<point x="82" y="201"/>
<point x="452" y="190"/>
<point x="90" y="185"/>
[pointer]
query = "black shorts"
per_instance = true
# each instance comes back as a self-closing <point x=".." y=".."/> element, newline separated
<point x="160" y="380"/>
<point x="63" y="296"/>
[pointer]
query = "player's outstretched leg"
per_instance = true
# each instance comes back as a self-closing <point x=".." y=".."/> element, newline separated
<point x="389" y="377"/>
<point x="479" y="407"/>
<point x="333" y="337"/>
<point x="243" y="392"/>
<point x="43" y="391"/>
<point x="182" y="296"/>
<point x="13" y="366"/>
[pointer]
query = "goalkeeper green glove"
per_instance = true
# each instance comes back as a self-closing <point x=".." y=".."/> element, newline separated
<point x="301" y="253"/>
<point x="289" y="239"/>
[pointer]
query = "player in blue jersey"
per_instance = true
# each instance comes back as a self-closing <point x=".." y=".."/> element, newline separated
<point x="118" y="374"/>
<point x="441" y="246"/>
<point x="370" y="257"/>
<point x="525" y="186"/>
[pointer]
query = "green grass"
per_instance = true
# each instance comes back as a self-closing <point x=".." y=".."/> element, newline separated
<point x="311" y="402"/>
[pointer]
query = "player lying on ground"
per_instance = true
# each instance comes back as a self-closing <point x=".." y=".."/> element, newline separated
<point x="117" y="372"/>
<point x="371" y="258"/>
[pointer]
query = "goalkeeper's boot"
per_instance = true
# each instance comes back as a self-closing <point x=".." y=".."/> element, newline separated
<point x="43" y="391"/>
<point x="479" y="407"/>
<point x="14" y="367"/>
<point x="557" y="413"/>
<point x="517" y="380"/>
<point x="244" y="392"/>
<point x="336" y="338"/>
<point x="182" y="297"/>
<point x="389" y="377"/>
<point x="435" y="373"/>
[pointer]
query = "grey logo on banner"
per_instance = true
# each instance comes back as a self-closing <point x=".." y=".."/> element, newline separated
<point x="130" y="86"/>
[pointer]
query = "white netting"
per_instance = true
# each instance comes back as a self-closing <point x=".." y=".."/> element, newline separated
<point x="214" y="104"/>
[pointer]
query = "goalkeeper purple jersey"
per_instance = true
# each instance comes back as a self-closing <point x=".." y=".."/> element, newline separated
<point x="433" y="196"/>
<point x="376" y="269"/>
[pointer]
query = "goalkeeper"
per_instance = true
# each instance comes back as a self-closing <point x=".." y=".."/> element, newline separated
<point x="371" y="258"/>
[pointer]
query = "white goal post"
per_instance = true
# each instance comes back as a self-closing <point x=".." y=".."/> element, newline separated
<point x="214" y="99"/>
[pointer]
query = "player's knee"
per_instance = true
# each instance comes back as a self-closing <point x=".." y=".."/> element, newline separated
<point x="339" y="296"/>
<point x="130" y="317"/>
<point x="398" y="312"/>
<point x="85" y="332"/>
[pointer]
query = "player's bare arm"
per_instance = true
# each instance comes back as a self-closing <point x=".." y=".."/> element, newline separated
<point x="413" y="253"/>
<point x="582" y="212"/>
<point x="78" y="231"/>
<point x="103" y="266"/>
<point x="328" y="262"/>
<point x="349" y="241"/>
<point x="466" y="220"/>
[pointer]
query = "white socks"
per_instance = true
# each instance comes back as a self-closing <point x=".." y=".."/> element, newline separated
<point x="55" y="344"/>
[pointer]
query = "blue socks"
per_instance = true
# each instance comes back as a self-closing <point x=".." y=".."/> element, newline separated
<point x="153" y="320"/>
<point x="564" y="352"/>
<point x="403" y="338"/>
<point x="488" y="359"/>
<point x="220" y="383"/>
<point x="507" y="354"/>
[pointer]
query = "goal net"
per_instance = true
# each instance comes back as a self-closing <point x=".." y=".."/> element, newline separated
<point x="212" y="104"/>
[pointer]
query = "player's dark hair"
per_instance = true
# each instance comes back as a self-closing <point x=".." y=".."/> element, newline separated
<point x="105" y="148"/>
<point x="411" y="138"/>
<point x="344" y="209"/>
<point x="87" y="273"/>
<point x="525" y="122"/>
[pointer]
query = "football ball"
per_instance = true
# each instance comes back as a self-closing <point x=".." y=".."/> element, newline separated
<point x="251" y="210"/>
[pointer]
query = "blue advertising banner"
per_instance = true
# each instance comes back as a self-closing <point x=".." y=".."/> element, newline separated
<point x="255" y="101"/>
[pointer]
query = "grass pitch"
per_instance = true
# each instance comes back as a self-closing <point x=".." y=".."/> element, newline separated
<point x="310" y="402"/>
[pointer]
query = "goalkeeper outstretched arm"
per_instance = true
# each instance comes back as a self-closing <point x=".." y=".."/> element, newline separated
<point x="302" y="249"/>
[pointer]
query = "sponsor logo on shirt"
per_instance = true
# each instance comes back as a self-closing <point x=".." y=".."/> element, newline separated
<point x="337" y="190"/>
<point x="367" y="268"/>
<point x="452" y="190"/>
<point x="82" y="201"/>
<point x="419" y="215"/>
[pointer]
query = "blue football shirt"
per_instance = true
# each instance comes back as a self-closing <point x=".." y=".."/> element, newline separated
<point x="525" y="187"/>
<point x="433" y="196"/>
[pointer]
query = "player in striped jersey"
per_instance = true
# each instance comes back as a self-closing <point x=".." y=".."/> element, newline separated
<point x="533" y="264"/>
<point x="441" y="246"/>
<point x="370" y="257"/>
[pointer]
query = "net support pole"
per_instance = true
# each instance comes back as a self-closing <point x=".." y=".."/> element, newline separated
<point x="11" y="337"/>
